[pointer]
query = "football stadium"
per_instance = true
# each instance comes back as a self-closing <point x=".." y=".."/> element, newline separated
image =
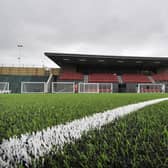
<point x="93" y="111"/>
<point x="81" y="73"/>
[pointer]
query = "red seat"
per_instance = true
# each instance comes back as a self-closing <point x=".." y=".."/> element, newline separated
<point x="102" y="77"/>
<point x="135" y="78"/>
<point x="161" y="77"/>
<point x="71" y="76"/>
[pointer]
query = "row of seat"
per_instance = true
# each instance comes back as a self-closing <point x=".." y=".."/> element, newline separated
<point x="160" y="77"/>
<point x="109" y="77"/>
<point x="71" y="76"/>
<point x="135" y="78"/>
<point x="102" y="77"/>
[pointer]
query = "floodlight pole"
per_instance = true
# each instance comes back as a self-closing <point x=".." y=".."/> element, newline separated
<point x="19" y="57"/>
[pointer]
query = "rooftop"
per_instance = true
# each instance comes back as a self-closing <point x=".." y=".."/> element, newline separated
<point x="90" y="59"/>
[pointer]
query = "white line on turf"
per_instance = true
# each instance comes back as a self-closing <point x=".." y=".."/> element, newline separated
<point x="17" y="150"/>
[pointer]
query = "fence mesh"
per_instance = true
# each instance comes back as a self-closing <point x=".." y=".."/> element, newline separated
<point x="63" y="87"/>
<point x="33" y="87"/>
<point x="151" y="88"/>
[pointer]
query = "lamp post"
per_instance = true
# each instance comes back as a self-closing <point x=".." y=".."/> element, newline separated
<point x="19" y="57"/>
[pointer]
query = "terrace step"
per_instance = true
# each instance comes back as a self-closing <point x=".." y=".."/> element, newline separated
<point x="86" y="78"/>
<point x="151" y="79"/>
<point x="120" y="79"/>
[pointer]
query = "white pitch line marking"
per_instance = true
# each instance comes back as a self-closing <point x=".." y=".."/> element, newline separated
<point x="16" y="150"/>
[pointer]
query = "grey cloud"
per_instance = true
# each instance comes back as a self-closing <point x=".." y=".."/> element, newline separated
<point x="130" y="27"/>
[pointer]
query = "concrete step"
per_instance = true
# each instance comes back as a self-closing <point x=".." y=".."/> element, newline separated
<point x="151" y="79"/>
<point x="85" y="78"/>
<point x="120" y="79"/>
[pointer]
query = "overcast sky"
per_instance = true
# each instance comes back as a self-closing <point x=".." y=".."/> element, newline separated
<point x="114" y="27"/>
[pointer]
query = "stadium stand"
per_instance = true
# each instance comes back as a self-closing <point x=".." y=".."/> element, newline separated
<point x="135" y="78"/>
<point x="102" y="78"/>
<point x="96" y="73"/>
<point x="97" y="69"/>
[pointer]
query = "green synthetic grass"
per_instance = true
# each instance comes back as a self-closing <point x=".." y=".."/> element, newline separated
<point x="22" y="113"/>
<point x="136" y="140"/>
